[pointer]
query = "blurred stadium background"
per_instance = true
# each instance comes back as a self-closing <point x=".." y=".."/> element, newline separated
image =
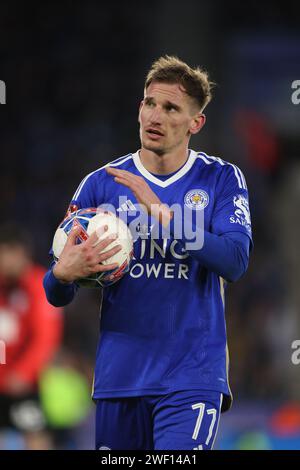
<point x="74" y="74"/>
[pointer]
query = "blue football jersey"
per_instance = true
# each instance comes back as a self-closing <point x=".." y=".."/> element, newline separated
<point x="162" y="326"/>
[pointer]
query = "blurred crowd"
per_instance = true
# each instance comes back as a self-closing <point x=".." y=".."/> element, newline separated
<point x="74" y="80"/>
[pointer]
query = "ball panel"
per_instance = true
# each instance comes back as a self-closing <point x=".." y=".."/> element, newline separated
<point x="91" y="220"/>
<point x="115" y="225"/>
<point x="59" y="241"/>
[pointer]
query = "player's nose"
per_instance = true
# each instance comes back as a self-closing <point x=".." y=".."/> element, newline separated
<point x="156" y="116"/>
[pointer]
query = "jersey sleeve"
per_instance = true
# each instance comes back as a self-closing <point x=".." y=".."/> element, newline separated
<point x="87" y="193"/>
<point x="231" y="211"/>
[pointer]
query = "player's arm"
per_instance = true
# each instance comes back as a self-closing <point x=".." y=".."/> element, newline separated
<point x="226" y="247"/>
<point x="227" y="244"/>
<point x="79" y="260"/>
<point x="58" y="294"/>
<point x="76" y="262"/>
<point x="227" y="255"/>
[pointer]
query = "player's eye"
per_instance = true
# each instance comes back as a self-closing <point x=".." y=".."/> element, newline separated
<point x="170" y="108"/>
<point x="151" y="104"/>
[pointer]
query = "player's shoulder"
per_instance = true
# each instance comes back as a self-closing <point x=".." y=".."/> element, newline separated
<point x="222" y="168"/>
<point x="92" y="179"/>
<point x="123" y="162"/>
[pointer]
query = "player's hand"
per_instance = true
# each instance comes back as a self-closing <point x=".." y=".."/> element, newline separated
<point x="143" y="194"/>
<point x="78" y="261"/>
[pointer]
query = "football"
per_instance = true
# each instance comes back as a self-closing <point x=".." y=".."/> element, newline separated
<point x="90" y="220"/>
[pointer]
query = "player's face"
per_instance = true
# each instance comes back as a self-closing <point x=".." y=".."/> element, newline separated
<point x="167" y="117"/>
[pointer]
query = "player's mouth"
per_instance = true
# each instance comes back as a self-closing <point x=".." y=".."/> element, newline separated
<point x="154" y="133"/>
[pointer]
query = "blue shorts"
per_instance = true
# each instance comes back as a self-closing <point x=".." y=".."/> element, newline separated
<point x="184" y="420"/>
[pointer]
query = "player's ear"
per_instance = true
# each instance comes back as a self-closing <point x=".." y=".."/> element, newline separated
<point x="197" y="123"/>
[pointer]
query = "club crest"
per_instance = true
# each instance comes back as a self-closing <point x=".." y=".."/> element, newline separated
<point x="196" y="199"/>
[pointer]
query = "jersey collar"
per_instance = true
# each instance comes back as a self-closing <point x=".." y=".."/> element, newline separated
<point x="175" y="177"/>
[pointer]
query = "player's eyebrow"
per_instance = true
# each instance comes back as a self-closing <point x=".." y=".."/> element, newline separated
<point x="173" y="105"/>
<point x="150" y="99"/>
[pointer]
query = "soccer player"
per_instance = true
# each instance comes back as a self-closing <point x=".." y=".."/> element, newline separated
<point x="161" y="375"/>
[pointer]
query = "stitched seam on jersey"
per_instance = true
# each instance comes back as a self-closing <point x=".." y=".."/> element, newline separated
<point x="119" y="163"/>
<point x="221" y="162"/>
<point x="238" y="173"/>
<point x="120" y="158"/>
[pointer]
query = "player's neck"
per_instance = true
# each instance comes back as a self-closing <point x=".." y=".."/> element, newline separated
<point x="163" y="164"/>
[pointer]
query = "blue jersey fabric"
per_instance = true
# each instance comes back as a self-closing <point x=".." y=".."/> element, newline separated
<point x="162" y="326"/>
<point x="57" y="293"/>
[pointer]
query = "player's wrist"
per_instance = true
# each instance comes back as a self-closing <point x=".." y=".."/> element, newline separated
<point x="60" y="275"/>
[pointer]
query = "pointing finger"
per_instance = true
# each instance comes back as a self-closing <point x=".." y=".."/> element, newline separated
<point x="72" y="236"/>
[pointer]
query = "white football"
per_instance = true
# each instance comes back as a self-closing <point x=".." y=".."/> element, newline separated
<point x="92" y="220"/>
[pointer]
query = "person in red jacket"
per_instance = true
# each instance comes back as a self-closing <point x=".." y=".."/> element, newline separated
<point x="30" y="333"/>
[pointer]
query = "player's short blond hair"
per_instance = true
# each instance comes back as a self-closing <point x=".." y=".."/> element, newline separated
<point x="196" y="82"/>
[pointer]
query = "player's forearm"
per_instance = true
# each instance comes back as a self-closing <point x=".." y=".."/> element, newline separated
<point x="227" y="255"/>
<point x="223" y="255"/>
<point x="57" y="293"/>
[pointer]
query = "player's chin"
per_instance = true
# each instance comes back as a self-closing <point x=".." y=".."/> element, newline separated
<point x="152" y="145"/>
